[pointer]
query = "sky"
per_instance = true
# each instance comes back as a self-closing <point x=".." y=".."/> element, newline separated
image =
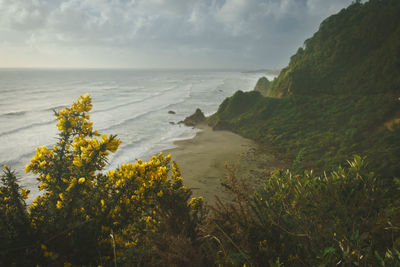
<point x="234" y="34"/>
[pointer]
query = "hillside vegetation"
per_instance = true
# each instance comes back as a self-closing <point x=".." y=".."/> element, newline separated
<point x="339" y="95"/>
<point x="355" y="52"/>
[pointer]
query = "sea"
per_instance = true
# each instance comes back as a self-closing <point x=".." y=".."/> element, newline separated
<point x="133" y="104"/>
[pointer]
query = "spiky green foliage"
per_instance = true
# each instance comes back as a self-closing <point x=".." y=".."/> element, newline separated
<point x="349" y="217"/>
<point x="15" y="230"/>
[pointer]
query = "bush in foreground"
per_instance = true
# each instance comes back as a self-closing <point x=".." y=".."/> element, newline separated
<point x="85" y="216"/>
<point x="349" y="218"/>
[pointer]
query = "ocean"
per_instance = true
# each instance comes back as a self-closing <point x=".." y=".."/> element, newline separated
<point x="133" y="104"/>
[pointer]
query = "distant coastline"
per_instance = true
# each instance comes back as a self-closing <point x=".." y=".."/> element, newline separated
<point x="274" y="72"/>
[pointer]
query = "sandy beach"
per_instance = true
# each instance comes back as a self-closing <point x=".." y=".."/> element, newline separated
<point x="202" y="161"/>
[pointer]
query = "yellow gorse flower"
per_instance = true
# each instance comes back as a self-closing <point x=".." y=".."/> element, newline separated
<point x="196" y="202"/>
<point x="24" y="193"/>
<point x="128" y="198"/>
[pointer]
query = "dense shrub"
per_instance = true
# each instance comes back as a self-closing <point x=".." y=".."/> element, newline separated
<point x="349" y="217"/>
<point x="85" y="216"/>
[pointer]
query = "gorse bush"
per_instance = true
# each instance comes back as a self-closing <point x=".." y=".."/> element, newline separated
<point x="15" y="230"/>
<point x="85" y="216"/>
<point x="349" y="218"/>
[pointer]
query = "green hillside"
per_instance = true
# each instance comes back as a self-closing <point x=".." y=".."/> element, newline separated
<point x="354" y="52"/>
<point x="339" y="95"/>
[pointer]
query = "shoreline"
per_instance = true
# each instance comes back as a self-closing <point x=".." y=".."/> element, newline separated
<point x="202" y="161"/>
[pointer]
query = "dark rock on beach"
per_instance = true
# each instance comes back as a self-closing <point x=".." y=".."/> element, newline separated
<point x="195" y="118"/>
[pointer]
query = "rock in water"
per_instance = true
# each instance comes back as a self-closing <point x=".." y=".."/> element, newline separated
<point x="195" y="118"/>
<point x="171" y="112"/>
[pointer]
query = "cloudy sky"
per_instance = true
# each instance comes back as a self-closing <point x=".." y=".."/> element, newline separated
<point x="157" y="33"/>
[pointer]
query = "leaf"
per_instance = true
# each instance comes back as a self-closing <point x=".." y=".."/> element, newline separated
<point x="329" y="250"/>
<point x="355" y="235"/>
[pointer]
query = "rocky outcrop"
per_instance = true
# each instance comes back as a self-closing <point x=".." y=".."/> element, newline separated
<point x="262" y="86"/>
<point x="194" y="119"/>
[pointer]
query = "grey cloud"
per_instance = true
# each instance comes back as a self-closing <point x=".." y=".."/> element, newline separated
<point x="22" y="15"/>
<point x="259" y="33"/>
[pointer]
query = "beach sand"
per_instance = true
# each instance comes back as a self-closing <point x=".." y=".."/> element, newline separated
<point x="202" y="161"/>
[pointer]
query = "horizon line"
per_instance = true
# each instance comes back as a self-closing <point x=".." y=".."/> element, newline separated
<point x="141" y="68"/>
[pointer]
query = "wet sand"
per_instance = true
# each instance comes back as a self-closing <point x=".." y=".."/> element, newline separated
<point x="202" y="161"/>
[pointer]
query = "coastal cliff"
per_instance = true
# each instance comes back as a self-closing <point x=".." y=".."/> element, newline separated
<point x="336" y="96"/>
